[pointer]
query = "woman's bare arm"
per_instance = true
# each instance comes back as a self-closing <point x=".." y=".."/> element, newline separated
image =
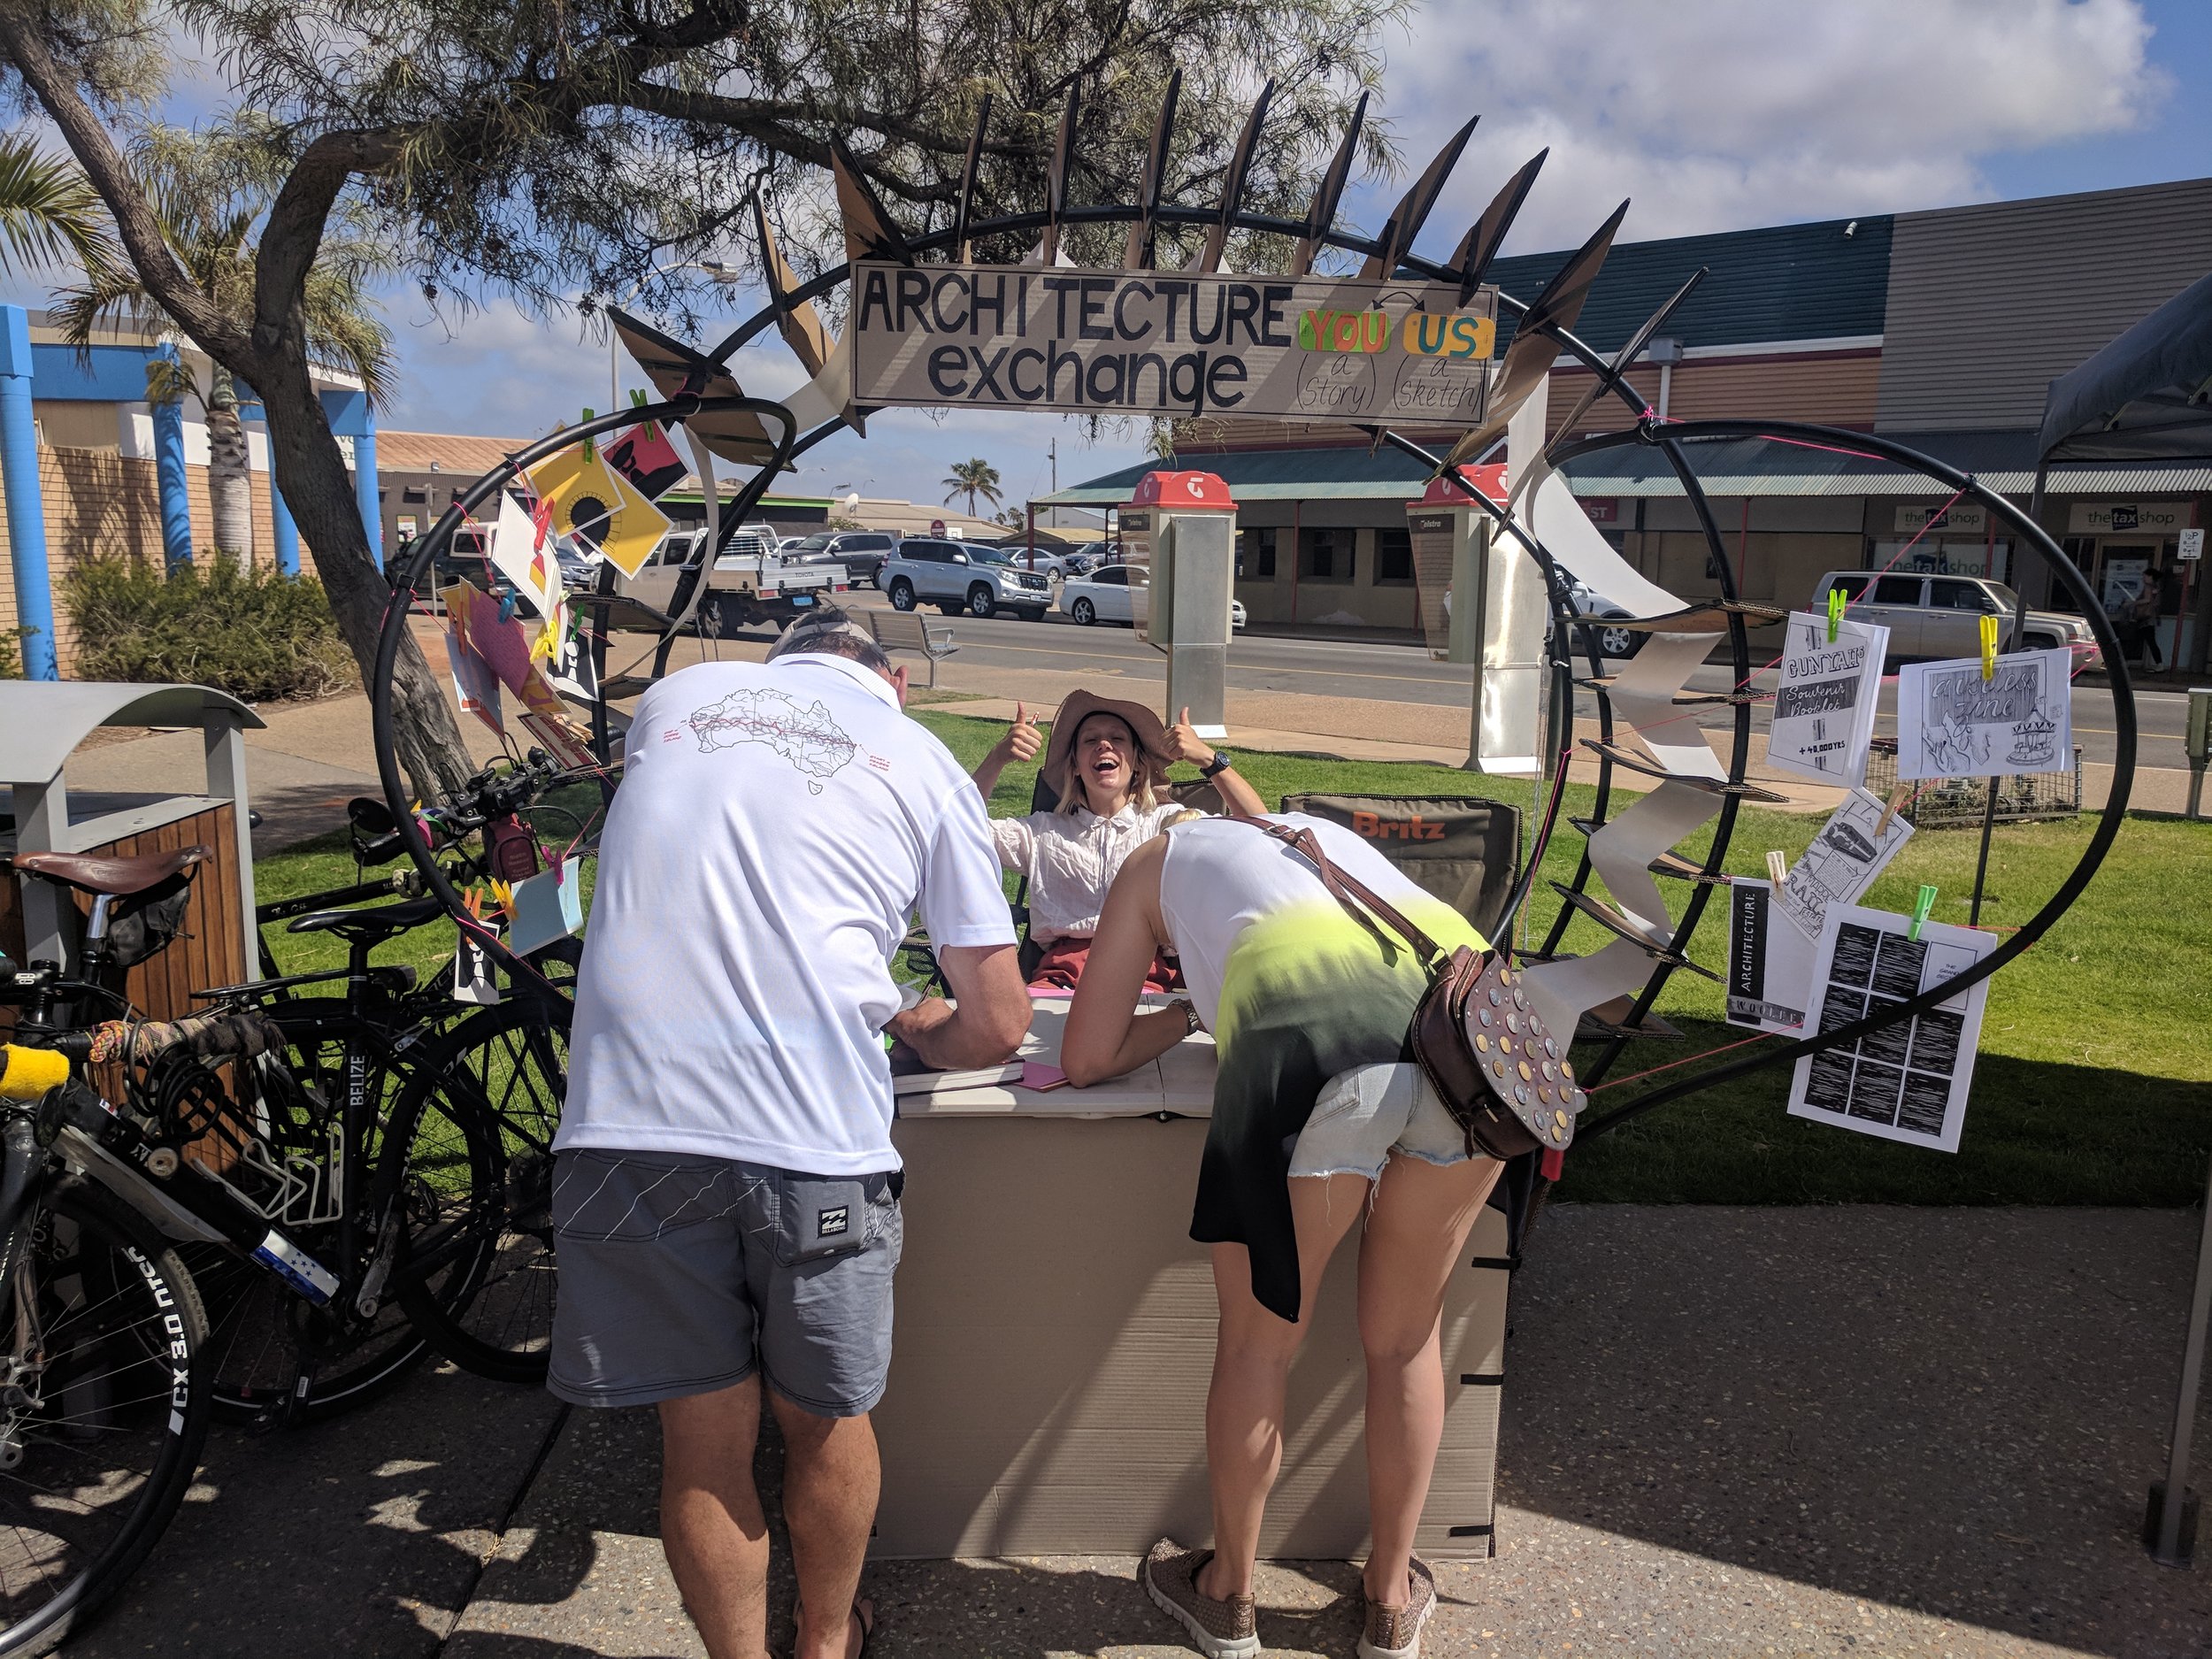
<point x="1105" y="1036"/>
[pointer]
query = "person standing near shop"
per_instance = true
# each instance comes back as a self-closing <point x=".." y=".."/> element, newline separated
<point x="726" y="1193"/>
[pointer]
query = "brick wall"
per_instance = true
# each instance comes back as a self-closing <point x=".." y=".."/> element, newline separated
<point x="101" y="502"/>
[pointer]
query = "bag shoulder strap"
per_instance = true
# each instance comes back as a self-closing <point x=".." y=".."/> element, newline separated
<point x="1363" y="902"/>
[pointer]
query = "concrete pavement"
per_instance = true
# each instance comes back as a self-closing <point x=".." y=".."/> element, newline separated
<point x="1822" y="1430"/>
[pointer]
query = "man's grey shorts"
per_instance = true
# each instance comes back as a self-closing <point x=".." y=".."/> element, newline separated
<point x="683" y="1274"/>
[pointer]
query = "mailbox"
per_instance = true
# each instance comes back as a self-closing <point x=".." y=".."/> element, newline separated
<point x="1484" y="603"/>
<point x="1182" y="529"/>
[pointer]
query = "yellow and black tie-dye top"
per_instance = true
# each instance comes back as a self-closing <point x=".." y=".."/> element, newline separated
<point x="1295" y="991"/>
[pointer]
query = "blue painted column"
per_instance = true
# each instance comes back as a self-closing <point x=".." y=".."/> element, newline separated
<point x="350" y="417"/>
<point x="27" y="505"/>
<point x="286" y="533"/>
<point x="176" y="501"/>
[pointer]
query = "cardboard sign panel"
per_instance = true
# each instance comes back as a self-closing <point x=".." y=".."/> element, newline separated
<point x="1077" y="342"/>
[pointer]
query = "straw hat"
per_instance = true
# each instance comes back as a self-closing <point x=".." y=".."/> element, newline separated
<point x="1079" y="706"/>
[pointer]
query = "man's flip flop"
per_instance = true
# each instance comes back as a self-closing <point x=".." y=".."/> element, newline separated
<point x="867" y="1630"/>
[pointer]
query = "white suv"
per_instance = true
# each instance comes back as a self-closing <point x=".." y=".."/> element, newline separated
<point x="1936" y="617"/>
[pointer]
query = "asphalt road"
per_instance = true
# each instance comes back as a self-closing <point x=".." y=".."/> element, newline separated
<point x="1404" y="673"/>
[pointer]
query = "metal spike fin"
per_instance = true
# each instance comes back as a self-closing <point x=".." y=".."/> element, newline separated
<point x="1479" y="246"/>
<point x="1057" y="179"/>
<point x="1137" y="251"/>
<point x="1232" y="181"/>
<point x="870" y="231"/>
<point x="1322" y="214"/>
<point x="1529" y="358"/>
<point x="676" y="369"/>
<point x="1628" y="353"/>
<point x="1412" y="211"/>
<point x="964" y="210"/>
<point x="801" y="328"/>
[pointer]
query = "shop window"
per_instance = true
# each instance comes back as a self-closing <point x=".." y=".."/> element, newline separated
<point x="1393" y="556"/>
<point x="1255" y="555"/>
<point x="414" y="495"/>
<point x="1326" y="555"/>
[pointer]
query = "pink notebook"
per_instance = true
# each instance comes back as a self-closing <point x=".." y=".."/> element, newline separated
<point x="1038" y="1076"/>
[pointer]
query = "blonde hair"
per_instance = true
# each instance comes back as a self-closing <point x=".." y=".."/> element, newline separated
<point x="1184" y="816"/>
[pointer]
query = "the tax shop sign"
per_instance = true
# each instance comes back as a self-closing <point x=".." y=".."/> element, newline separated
<point x="1123" y="342"/>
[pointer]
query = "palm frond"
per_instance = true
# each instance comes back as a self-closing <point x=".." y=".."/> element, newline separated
<point x="49" y="214"/>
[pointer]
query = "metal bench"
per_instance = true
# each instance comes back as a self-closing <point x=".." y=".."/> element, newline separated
<point x="904" y="631"/>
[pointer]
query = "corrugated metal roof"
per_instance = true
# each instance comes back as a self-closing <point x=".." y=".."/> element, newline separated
<point x="1733" y="467"/>
<point x="1781" y="283"/>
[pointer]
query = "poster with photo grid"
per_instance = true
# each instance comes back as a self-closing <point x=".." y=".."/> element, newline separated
<point x="1909" y="1081"/>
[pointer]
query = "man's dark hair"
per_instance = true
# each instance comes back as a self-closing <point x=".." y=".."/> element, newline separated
<point x="829" y="632"/>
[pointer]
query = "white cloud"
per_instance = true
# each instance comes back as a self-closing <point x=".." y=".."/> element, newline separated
<point x="1718" y="114"/>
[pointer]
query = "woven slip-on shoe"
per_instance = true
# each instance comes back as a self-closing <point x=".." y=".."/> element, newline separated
<point x="1394" y="1633"/>
<point x="1220" y="1630"/>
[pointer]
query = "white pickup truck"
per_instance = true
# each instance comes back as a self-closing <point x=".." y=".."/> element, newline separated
<point x="748" y="586"/>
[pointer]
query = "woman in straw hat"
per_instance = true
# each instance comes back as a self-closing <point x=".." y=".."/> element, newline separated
<point x="1107" y="762"/>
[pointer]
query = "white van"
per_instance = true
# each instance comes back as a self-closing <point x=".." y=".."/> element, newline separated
<point x="1934" y="618"/>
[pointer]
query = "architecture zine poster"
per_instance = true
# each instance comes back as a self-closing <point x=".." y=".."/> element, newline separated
<point x="1774" y="937"/>
<point x="1824" y="703"/>
<point x="1952" y="723"/>
<point x="1908" y="1081"/>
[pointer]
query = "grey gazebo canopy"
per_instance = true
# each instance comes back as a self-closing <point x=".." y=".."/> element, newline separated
<point x="2147" y="396"/>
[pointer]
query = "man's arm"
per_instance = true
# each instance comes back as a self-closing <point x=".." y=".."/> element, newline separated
<point x="990" y="1020"/>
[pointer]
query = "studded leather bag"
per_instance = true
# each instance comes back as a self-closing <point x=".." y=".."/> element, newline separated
<point x="1500" y="1072"/>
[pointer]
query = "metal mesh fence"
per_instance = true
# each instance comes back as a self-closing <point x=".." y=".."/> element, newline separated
<point x="1958" y="803"/>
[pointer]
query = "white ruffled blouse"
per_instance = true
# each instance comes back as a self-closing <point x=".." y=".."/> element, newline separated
<point x="1071" y="860"/>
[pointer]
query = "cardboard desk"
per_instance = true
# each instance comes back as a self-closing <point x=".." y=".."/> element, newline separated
<point x="1056" y="1333"/>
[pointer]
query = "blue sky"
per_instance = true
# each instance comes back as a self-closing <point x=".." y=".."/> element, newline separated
<point x="1718" y="115"/>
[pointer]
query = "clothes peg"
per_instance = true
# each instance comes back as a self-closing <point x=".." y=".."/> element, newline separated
<point x="591" y="449"/>
<point x="1778" y="871"/>
<point x="1835" y="612"/>
<point x="638" y="401"/>
<point x="1989" y="649"/>
<point x="1920" y="913"/>
<point x="1895" y="804"/>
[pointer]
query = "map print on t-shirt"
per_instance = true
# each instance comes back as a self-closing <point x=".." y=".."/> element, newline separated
<point x="806" y="737"/>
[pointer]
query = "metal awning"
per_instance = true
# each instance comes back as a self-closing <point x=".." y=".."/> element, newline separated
<point x="44" y="721"/>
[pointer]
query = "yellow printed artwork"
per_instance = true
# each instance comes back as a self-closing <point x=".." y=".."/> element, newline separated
<point x="600" y="507"/>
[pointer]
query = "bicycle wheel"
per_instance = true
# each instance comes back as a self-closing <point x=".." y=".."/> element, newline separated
<point x="468" y="1159"/>
<point x="264" y="1336"/>
<point x="104" y="1418"/>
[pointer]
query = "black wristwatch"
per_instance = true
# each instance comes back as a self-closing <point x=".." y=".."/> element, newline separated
<point x="1220" y="762"/>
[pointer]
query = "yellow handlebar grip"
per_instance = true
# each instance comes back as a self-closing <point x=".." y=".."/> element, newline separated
<point x="27" y="1073"/>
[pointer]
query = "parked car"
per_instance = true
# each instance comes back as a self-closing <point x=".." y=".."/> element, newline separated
<point x="745" y="587"/>
<point x="862" y="552"/>
<point x="1106" y="596"/>
<point x="962" y="576"/>
<point x="1055" y="563"/>
<point x="464" y="560"/>
<point x="1612" y="641"/>
<point x="1936" y="617"/>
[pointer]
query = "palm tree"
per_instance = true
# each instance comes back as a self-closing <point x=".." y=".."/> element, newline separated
<point x="971" y="478"/>
<point x="209" y="195"/>
<point x="49" y="212"/>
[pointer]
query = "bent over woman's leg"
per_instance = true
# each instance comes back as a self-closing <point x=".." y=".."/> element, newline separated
<point x="1417" y="1231"/>
<point x="1253" y="1351"/>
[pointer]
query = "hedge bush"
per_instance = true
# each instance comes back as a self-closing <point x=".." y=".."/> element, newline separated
<point x="252" y="633"/>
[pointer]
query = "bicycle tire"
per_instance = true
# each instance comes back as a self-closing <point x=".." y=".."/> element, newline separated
<point x="119" y="1262"/>
<point x="488" y="1093"/>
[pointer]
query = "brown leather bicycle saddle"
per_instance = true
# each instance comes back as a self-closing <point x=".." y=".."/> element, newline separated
<point x="113" y="876"/>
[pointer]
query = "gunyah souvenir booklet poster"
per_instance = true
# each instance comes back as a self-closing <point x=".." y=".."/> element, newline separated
<point x="1824" y="702"/>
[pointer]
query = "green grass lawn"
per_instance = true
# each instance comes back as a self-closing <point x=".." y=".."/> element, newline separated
<point x="2094" y="1081"/>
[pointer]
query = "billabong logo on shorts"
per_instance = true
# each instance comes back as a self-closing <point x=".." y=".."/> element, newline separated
<point x="830" y="1221"/>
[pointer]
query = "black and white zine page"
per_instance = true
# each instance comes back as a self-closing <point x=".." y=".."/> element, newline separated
<point x="1824" y="702"/>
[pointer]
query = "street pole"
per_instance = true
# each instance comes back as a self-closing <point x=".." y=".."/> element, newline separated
<point x="2171" y="1500"/>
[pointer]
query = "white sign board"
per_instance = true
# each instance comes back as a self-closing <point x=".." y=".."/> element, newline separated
<point x="2191" y="545"/>
<point x="1824" y="703"/>
<point x="1952" y="723"/>
<point x="1908" y="1081"/>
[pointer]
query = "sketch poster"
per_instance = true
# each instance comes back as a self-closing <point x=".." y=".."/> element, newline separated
<point x="1824" y="703"/>
<point x="1908" y="1081"/>
<point x="1952" y="723"/>
<point x="1842" y="862"/>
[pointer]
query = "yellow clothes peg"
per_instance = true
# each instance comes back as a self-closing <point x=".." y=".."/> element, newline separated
<point x="1989" y="649"/>
<point x="1835" y="612"/>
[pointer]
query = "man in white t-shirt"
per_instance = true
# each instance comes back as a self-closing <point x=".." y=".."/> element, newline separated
<point x="726" y="1195"/>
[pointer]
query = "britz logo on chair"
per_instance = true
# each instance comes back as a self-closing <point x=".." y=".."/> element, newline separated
<point x="1377" y="827"/>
